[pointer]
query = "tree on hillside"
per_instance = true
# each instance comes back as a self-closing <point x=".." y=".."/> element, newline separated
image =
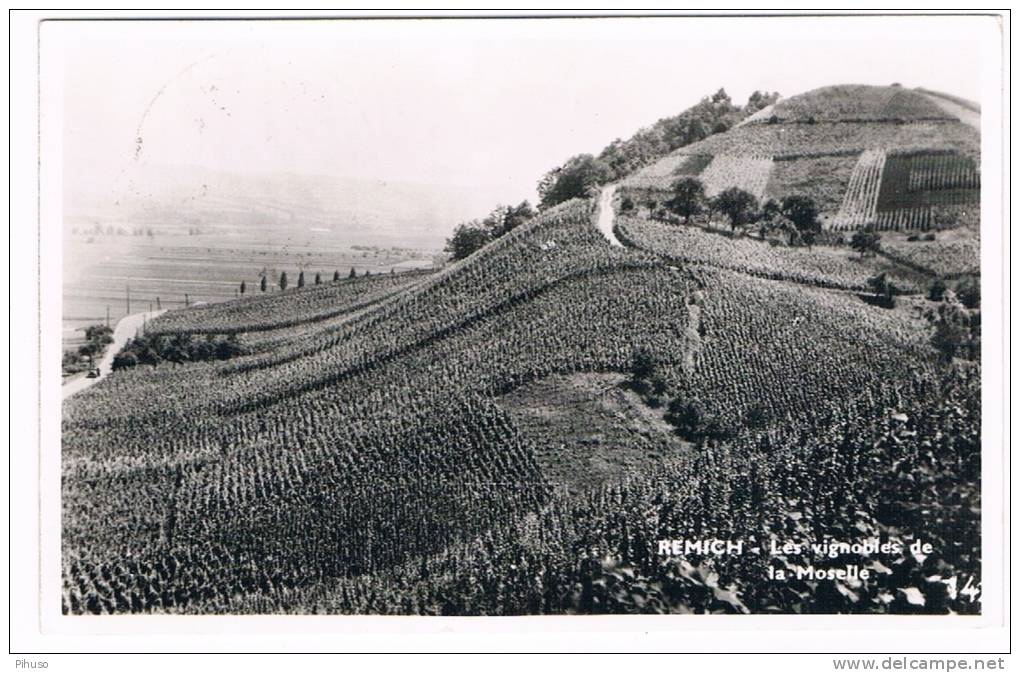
<point x="770" y="209"/>
<point x="353" y="273"/>
<point x="642" y="363"/>
<point x="712" y="114"/>
<point x="688" y="197"/>
<point x="760" y="99"/>
<point x="283" y="280"/>
<point x="301" y="279"/>
<point x="645" y="378"/>
<point x="865" y="241"/>
<point x="937" y="290"/>
<point x="243" y="287"/>
<point x="803" y="212"/>
<point x="969" y="292"/>
<point x="262" y="284"/>
<point x="467" y="237"/>
<point x="336" y="276"/>
<point x="517" y="215"/>
<point x="736" y="204"/>
<point x="952" y="328"/>
<point x="88" y="350"/>
<point x="782" y="225"/>
<point x="318" y="278"/>
<point x="492" y="224"/>
<point x="230" y="347"/>
<point x="572" y="180"/>
<point x="124" y="360"/>
<point x="883" y="289"/>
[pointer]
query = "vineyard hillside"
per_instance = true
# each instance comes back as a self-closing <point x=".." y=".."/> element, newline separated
<point x="831" y="144"/>
<point x="512" y="433"/>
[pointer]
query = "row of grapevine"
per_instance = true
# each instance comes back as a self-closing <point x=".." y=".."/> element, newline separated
<point x="837" y="268"/>
<point x="782" y="140"/>
<point x="943" y="171"/>
<point x="264" y="312"/>
<point x="924" y="217"/>
<point x="861" y="199"/>
<point x="916" y="184"/>
<point x="855" y="103"/>
<point x="946" y="258"/>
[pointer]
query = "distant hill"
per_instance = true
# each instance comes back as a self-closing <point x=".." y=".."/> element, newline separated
<point x="868" y="155"/>
<point x="362" y="211"/>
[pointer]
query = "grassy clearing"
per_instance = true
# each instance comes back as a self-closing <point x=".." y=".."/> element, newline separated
<point x="590" y="429"/>
<point x="823" y="178"/>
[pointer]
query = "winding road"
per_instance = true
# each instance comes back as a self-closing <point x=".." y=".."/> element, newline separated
<point x="606" y="214"/>
<point x="126" y="329"/>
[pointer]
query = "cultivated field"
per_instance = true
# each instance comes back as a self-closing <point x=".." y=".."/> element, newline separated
<point x="852" y="103"/>
<point x="162" y="269"/>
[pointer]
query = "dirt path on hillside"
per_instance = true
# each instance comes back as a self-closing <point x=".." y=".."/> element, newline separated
<point x="606" y="215"/>
<point x="967" y="116"/>
<point x="126" y="329"/>
<point x="692" y="334"/>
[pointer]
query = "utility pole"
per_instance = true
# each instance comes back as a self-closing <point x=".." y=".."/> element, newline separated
<point x="158" y="307"/>
<point x="187" y="302"/>
<point x="129" y="300"/>
<point x="107" y="316"/>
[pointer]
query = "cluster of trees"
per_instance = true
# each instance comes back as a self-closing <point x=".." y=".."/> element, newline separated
<point x="796" y="217"/>
<point x="957" y="319"/>
<point x="97" y="337"/>
<point x="884" y="290"/>
<point x="581" y="175"/>
<point x="687" y="414"/>
<point x="470" y="236"/>
<point x="178" y="349"/>
<point x="583" y="172"/>
<point x="98" y="230"/>
<point x="277" y="310"/>
<point x="957" y="330"/>
<point x="283" y="282"/>
<point x="866" y="241"/>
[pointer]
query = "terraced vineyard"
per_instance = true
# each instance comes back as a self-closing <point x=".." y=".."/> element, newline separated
<point x="948" y="257"/>
<point x="860" y="204"/>
<point x="856" y="103"/>
<point x="838" y="268"/>
<point x="265" y="312"/>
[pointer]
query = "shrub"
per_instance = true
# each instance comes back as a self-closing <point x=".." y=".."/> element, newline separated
<point x="969" y="292"/>
<point x="937" y="290"/>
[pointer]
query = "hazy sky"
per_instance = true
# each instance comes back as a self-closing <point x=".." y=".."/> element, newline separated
<point x="492" y="104"/>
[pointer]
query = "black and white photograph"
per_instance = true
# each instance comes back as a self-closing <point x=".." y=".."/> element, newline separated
<point x="521" y="316"/>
